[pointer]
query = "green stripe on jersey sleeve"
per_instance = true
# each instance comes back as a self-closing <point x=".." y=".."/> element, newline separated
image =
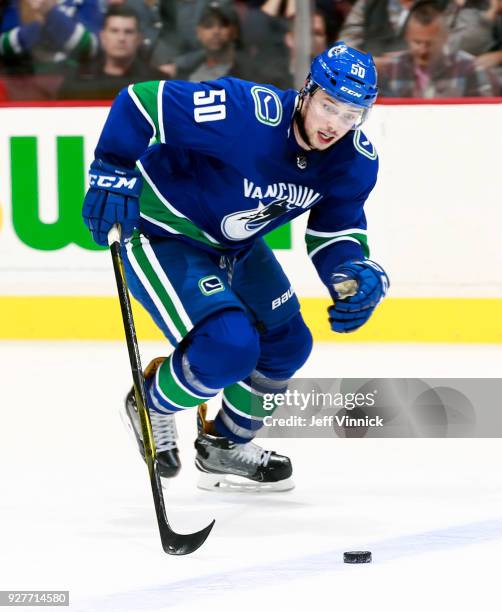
<point x="147" y="94"/>
<point x="317" y="243"/>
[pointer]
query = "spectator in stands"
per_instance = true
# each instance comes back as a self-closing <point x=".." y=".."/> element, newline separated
<point x="177" y="49"/>
<point x="119" y="63"/>
<point x="186" y="14"/>
<point x="318" y="33"/>
<point x="335" y="13"/>
<point x="263" y="39"/>
<point x="262" y="55"/>
<point x="217" y="32"/>
<point x="377" y="26"/>
<point x="428" y="69"/>
<point x="150" y="19"/>
<point x="39" y="36"/>
<point x="492" y="59"/>
<point x="469" y="28"/>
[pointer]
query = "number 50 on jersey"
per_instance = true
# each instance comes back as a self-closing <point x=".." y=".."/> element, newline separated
<point x="206" y="107"/>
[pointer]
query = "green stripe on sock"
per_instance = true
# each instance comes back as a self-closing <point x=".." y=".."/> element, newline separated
<point x="171" y="389"/>
<point x="246" y="401"/>
<point x="144" y="263"/>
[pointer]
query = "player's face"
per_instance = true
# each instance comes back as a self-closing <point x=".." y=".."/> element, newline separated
<point x="120" y="37"/>
<point x="327" y="120"/>
<point x="425" y="42"/>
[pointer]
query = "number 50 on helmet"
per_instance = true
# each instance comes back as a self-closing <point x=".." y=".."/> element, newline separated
<point x="347" y="75"/>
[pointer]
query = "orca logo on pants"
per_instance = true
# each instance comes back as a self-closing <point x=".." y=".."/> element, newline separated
<point x="211" y="284"/>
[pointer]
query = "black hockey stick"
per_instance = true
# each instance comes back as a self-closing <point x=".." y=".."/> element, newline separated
<point x="173" y="543"/>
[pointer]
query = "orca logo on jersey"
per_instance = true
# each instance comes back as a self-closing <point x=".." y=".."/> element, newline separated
<point x="245" y="223"/>
<point x="286" y="198"/>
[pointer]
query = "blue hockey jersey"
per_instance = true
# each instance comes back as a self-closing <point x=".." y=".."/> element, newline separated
<point x="221" y="167"/>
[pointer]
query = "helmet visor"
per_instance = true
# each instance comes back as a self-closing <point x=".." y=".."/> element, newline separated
<point x="349" y="115"/>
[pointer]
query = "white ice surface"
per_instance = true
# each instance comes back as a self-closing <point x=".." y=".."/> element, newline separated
<point x="76" y="510"/>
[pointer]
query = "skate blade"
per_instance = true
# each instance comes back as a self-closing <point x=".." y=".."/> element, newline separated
<point x="131" y="434"/>
<point x="228" y="483"/>
<point x="128" y="425"/>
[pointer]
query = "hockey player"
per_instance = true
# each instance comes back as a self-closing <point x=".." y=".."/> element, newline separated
<point x="196" y="174"/>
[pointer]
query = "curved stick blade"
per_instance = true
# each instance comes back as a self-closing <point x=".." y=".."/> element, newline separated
<point x="184" y="544"/>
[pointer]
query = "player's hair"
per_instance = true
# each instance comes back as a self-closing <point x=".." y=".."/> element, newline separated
<point x="425" y="12"/>
<point x="121" y="11"/>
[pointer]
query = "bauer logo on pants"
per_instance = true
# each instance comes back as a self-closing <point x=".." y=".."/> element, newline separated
<point x="211" y="284"/>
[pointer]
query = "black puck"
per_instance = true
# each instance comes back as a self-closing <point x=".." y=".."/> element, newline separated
<point x="357" y="556"/>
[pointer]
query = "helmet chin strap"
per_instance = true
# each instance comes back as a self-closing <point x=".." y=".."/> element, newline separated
<point x="300" y="123"/>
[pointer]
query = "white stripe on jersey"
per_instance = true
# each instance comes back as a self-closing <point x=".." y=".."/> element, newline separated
<point x="351" y="230"/>
<point x="141" y="109"/>
<point x="160" y="112"/>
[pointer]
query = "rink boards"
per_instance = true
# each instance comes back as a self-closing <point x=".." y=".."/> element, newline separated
<point x="433" y="223"/>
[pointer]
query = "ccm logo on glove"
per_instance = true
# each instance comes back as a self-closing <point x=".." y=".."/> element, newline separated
<point x="113" y="197"/>
<point x="99" y="180"/>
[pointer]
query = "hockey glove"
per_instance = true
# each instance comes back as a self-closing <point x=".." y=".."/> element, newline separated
<point x="113" y="197"/>
<point x="358" y="286"/>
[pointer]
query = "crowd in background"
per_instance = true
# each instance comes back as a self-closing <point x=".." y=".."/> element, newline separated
<point x="90" y="49"/>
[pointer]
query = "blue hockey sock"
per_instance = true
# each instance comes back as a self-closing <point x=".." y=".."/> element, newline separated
<point x="173" y="388"/>
<point x="245" y="405"/>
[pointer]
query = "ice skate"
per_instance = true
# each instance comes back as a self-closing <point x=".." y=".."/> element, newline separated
<point x="227" y="466"/>
<point x="163" y="427"/>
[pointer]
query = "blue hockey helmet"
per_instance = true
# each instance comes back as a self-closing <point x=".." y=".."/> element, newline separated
<point x="346" y="74"/>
